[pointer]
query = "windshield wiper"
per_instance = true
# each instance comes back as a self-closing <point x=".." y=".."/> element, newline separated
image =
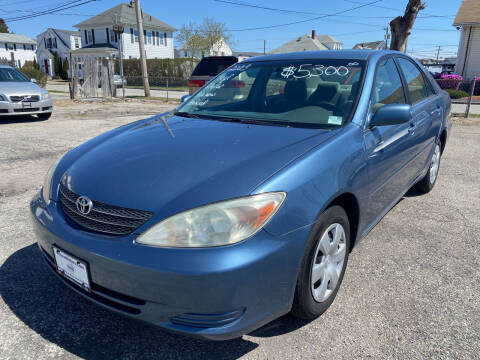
<point x="186" y="114"/>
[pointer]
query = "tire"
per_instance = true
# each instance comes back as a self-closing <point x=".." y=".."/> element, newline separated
<point x="44" y="116"/>
<point x="310" y="300"/>
<point x="428" y="181"/>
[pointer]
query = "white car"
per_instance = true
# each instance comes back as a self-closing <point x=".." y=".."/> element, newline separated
<point x="21" y="96"/>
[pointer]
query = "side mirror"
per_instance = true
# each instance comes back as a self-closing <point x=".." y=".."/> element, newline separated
<point x="391" y="114"/>
<point x="33" y="80"/>
<point x="185" y="98"/>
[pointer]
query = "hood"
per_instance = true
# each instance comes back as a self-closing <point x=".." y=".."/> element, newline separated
<point x="20" y="88"/>
<point x="144" y="167"/>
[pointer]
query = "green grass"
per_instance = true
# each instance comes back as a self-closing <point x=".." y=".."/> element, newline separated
<point x="58" y="91"/>
<point x="170" y="88"/>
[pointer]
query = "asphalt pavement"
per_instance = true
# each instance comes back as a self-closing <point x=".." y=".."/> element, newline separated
<point x="411" y="289"/>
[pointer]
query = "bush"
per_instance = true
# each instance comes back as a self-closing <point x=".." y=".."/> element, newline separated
<point x="180" y="68"/>
<point x="29" y="71"/>
<point x="451" y="77"/>
<point x="457" y="94"/>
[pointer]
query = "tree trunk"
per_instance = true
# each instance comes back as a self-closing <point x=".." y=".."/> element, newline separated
<point x="401" y="26"/>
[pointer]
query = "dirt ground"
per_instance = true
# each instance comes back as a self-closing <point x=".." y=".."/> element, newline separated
<point x="411" y="289"/>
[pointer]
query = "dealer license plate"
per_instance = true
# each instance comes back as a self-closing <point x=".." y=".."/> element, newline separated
<point x="73" y="269"/>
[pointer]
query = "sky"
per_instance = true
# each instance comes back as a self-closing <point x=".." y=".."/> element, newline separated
<point x="432" y="29"/>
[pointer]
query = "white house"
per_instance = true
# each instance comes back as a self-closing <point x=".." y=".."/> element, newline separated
<point x="97" y="32"/>
<point x="372" y="45"/>
<point x="56" y="40"/>
<point x="17" y="48"/>
<point x="220" y="48"/>
<point x="468" y="56"/>
<point x="309" y="42"/>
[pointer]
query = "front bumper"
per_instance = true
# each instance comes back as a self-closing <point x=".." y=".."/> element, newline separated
<point x="8" y="108"/>
<point x="213" y="293"/>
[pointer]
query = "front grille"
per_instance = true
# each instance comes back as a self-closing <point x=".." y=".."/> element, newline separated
<point x="25" y="98"/>
<point x="103" y="218"/>
<point x="26" y="110"/>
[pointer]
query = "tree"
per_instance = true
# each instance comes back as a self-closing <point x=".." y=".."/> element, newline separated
<point x="35" y="64"/>
<point x="213" y="32"/>
<point x="56" y="64"/>
<point x="65" y="69"/>
<point x="191" y="39"/>
<point x="401" y="26"/>
<point x="3" y="26"/>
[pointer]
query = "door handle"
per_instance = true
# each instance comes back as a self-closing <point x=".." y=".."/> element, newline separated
<point x="412" y="128"/>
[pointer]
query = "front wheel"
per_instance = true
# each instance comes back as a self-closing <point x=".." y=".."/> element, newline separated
<point x="428" y="182"/>
<point x="323" y="264"/>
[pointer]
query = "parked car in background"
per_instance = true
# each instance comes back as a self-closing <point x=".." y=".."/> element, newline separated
<point x="21" y="96"/>
<point x="244" y="203"/>
<point x="208" y="68"/>
<point x="118" y="82"/>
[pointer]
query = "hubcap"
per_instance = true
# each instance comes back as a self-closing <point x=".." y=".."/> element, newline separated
<point x="328" y="262"/>
<point x="435" y="164"/>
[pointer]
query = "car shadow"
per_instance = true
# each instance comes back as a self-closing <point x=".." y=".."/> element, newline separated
<point x="18" y="119"/>
<point x="89" y="331"/>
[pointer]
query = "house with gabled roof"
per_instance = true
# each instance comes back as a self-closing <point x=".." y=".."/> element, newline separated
<point x="97" y="33"/>
<point x="309" y="42"/>
<point x="15" y="49"/>
<point x="53" y="41"/>
<point x="371" y="45"/>
<point x="468" y="55"/>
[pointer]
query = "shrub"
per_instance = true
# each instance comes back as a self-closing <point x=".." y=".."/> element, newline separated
<point x="451" y="77"/>
<point x="457" y="94"/>
<point x="179" y="68"/>
<point x="29" y="71"/>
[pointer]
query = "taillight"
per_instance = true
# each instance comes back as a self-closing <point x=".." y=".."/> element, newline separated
<point x="196" y="83"/>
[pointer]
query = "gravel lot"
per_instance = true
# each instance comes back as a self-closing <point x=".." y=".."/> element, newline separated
<point x="411" y="290"/>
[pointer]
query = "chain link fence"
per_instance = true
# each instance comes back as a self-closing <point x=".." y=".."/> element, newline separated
<point x="463" y="92"/>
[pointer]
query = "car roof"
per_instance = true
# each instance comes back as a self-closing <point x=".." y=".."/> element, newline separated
<point x="323" y="54"/>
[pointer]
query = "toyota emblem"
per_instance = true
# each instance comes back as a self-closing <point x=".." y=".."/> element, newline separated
<point x="84" y="205"/>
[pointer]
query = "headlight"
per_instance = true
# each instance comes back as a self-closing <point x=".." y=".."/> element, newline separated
<point x="218" y="224"/>
<point x="46" y="96"/>
<point x="47" y="183"/>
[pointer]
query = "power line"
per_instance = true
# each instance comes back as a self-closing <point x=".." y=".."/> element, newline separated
<point x="65" y="6"/>
<point x="307" y="20"/>
<point x="315" y="13"/>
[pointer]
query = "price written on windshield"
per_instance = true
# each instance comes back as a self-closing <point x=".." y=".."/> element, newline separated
<point x="306" y="71"/>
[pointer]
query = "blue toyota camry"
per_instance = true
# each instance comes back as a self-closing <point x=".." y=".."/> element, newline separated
<point x="244" y="203"/>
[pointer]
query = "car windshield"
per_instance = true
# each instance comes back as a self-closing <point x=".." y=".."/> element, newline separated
<point x="309" y="93"/>
<point x="9" y="74"/>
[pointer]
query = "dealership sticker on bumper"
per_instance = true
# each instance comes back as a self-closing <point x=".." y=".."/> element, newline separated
<point x="73" y="269"/>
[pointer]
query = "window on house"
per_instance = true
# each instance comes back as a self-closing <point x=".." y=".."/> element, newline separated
<point x="14" y="47"/>
<point x="132" y="37"/>
<point x="77" y="43"/>
<point x="89" y="41"/>
<point x="145" y="36"/>
<point x="161" y="39"/>
<point x="149" y="37"/>
<point x="86" y="37"/>
<point x="136" y="35"/>
<point x="113" y="36"/>
<point x="165" y="38"/>
<point x="32" y="47"/>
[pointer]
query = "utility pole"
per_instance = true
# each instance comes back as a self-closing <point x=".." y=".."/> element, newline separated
<point x="141" y="45"/>
<point x="119" y="29"/>
<point x="438" y="53"/>
<point x="264" y="46"/>
<point x="387" y="36"/>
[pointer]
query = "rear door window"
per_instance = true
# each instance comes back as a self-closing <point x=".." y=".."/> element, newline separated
<point x="417" y="87"/>
<point x="212" y="66"/>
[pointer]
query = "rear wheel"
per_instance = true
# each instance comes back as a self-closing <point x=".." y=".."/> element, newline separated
<point x="44" y="116"/>
<point x="428" y="182"/>
<point x="323" y="264"/>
